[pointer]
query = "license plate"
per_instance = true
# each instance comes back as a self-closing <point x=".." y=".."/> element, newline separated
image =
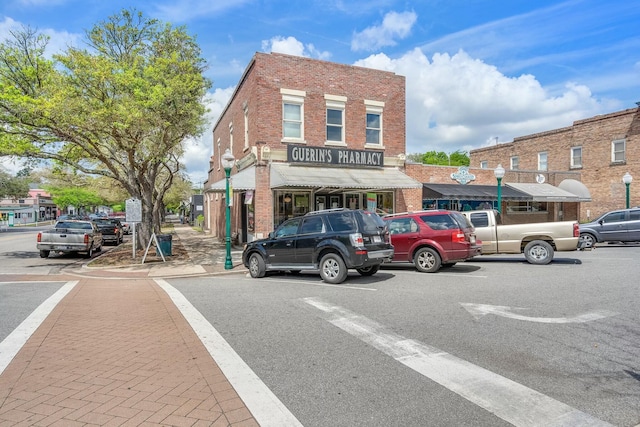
<point x="377" y="239"/>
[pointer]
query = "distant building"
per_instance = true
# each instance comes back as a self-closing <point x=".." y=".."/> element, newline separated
<point x="599" y="150"/>
<point x="37" y="206"/>
<point x="196" y="207"/>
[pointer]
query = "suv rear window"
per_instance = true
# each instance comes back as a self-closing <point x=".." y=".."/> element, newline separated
<point x="371" y="222"/>
<point x="342" y="221"/>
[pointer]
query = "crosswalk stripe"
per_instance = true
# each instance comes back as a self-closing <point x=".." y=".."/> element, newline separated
<point x="513" y="402"/>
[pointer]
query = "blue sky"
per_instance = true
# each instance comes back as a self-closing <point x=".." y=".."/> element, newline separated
<point x="476" y="70"/>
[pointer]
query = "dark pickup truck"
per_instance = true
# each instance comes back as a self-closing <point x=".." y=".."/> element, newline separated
<point x="111" y="228"/>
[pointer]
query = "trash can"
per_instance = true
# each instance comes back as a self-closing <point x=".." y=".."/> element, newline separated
<point x="164" y="243"/>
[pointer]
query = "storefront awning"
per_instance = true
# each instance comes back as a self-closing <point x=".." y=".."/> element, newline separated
<point x="242" y="181"/>
<point x="577" y="188"/>
<point x="544" y="192"/>
<point x="470" y="192"/>
<point x="286" y="175"/>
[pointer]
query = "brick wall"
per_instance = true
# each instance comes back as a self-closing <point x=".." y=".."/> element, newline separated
<point x="259" y="92"/>
<point x="598" y="173"/>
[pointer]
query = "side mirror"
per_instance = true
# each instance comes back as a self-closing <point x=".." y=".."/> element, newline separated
<point x="601" y="222"/>
<point x="272" y="234"/>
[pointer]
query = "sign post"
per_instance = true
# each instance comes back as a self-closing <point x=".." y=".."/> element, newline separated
<point x="133" y="214"/>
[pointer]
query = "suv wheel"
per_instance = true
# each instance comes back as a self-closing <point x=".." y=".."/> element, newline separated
<point x="369" y="271"/>
<point x="587" y="240"/>
<point x="256" y="266"/>
<point x="427" y="260"/>
<point x="333" y="269"/>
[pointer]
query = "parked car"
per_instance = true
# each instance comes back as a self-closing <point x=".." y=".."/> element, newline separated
<point x="331" y="241"/>
<point x="431" y="239"/>
<point x="126" y="227"/>
<point x="538" y="241"/>
<point x="70" y="236"/>
<point x="616" y="226"/>
<point x="111" y="229"/>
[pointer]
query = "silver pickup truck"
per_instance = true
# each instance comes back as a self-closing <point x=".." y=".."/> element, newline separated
<point x="537" y="241"/>
<point x="70" y="236"/>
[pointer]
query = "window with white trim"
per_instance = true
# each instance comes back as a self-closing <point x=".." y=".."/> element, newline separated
<point x="231" y="136"/>
<point x="246" y="127"/>
<point x="335" y="118"/>
<point x="542" y="161"/>
<point x="373" y="123"/>
<point x="219" y="156"/>
<point x="484" y="164"/>
<point x="618" y="149"/>
<point x="576" y="157"/>
<point x="292" y="115"/>
<point x="514" y="163"/>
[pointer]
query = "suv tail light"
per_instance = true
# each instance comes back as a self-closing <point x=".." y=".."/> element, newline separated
<point x="86" y="239"/>
<point x="39" y="237"/>
<point x="457" y="236"/>
<point x="356" y="240"/>
<point x="576" y="230"/>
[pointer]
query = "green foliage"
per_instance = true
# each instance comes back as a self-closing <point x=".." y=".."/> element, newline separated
<point x="457" y="158"/>
<point x="78" y="197"/>
<point x="121" y="109"/>
<point x="13" y="187"/>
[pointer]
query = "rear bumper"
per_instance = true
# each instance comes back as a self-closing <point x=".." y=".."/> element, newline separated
<point x="61" y="248"/>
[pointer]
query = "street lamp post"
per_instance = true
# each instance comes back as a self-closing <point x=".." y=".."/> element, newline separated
<point x="227" y="163"/>
<point x="627" y="178"/>
<point x="499" y="174"/>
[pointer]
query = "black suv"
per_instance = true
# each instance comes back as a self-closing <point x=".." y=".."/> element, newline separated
<point x="331" y="241"/>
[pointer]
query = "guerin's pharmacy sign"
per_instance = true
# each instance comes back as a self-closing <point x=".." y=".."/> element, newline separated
<point x="334" y="156"/>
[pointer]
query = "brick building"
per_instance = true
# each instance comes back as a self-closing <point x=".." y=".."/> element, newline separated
<point x="600" y="150"/>
<point x="306" y="135"/>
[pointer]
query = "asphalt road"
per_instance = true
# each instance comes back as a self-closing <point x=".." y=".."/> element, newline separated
<point x="491" y="342"/>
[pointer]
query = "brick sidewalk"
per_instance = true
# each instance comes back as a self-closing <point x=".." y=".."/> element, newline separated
<point x="117" y="353"/>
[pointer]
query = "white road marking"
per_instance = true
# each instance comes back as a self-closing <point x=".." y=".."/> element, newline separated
<point x="12" y="344"/>
<point x="263" y="404"/>
<point x="512" y="402"/>
<point x="479" y="310"/>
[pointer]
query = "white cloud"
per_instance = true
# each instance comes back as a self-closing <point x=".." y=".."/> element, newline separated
<point x="459" y="103"/>
<point x="198" y="151"/>
<point x="11" y="165"/>
<point x="394" y="25"/>
<point x="292" y="46"/>
<point x="59" y="41"/>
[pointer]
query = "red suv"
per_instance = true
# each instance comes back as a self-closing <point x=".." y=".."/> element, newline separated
<point x="432" y="239"/>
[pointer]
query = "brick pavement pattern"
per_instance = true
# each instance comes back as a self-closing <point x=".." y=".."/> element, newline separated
<point x="117" y="353"/>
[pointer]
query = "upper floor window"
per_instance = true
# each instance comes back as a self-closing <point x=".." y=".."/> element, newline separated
<point x="515" y="163"/>
<point x="484" y="164"/>
<point x="292" y="115"/>
<point x="618" y="149"/>
<point x="373" y="123"/>
<point x="542" y="161"/>
<point x="335" y="118"/>
<point x="246" y="127"/>
<point x="576" y="157"/>
<point x="231" y="136"/>
<point x="219" y="155"/>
